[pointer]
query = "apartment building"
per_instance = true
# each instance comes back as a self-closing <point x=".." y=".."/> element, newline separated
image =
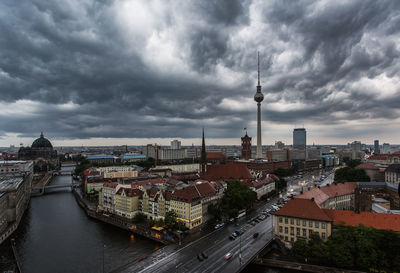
<point x="127" y="202"/>
<point x="300" y="218"/>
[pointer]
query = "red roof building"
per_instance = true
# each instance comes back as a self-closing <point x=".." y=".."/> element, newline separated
<point x="304" y="209"/>
<point x="368" y="219"/>
<point x="332" y="196"/>
<point x="228" y="171"/>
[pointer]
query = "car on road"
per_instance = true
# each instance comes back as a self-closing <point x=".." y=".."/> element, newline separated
<point x="228" y="256"/>
<point x="217" y="226"/>
<point x="199" y="257"/>
<point x="238" y="232"/>
<point x="205" y="256"/>
<point x="231" y="238"/>
<point x="253" y="223"/>
<point x="255" y="235"/>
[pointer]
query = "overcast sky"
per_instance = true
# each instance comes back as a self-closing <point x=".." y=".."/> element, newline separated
<point x="105" y="72"/>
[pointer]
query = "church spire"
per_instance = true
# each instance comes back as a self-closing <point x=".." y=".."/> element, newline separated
<point x="203" y="159"/>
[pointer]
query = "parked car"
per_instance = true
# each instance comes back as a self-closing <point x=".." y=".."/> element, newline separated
<point x="255" y="235"/>
<point x="205" y="256"/>
<point x="232" y="237"/>
<point x="234" y="234"/>
<point x="228" y="256"/>
<point x="199" y="257"/>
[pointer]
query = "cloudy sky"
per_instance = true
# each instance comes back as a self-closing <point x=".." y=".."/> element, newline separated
<point x="134" y="72"/>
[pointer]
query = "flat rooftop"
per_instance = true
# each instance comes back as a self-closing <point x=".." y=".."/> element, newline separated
<point x="10" y="183"/>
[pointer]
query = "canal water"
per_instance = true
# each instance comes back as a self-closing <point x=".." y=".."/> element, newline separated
<point x="56" y="235"/>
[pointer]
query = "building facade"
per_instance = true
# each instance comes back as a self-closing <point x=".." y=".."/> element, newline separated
<point x="299" y="138"/>
<point x="299" y="219"/>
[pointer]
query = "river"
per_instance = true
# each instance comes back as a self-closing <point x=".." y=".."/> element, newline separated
<point x="56" y="235"/>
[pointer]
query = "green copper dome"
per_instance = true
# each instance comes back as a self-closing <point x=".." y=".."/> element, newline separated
<point x="41" y="142"/>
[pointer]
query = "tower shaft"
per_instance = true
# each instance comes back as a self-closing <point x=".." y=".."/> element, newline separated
<point x="259" y="144"/>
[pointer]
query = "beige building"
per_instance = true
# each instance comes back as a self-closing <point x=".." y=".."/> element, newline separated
<point x="392" y="174"/>
<point x="127" y="202"/>
<point x="300" y="218"/>
<point x="187" y="204"/>
<point x="118" y="171"/>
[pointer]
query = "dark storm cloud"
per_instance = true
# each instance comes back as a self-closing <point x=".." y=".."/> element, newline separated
<point x="89" y="72"/>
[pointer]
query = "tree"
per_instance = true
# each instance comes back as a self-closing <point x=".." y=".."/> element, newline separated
<point x="301" y="249"/>
<point x="170" y="218"/>
<point x="352" y="163"/>
<point x="139" y="217"/>
<point x="215" y="210"/>
<point x="348" y="174"/>
<point x="237" y="197"/>
<point x="280" y="172"/>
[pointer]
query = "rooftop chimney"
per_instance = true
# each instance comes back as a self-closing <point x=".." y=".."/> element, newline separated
<point x="312" y="199"/>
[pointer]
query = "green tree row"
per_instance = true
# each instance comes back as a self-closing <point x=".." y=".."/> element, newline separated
<point x="236" y="198"/>
<point x="348" y="174"/>
<point x="353" y="248"/>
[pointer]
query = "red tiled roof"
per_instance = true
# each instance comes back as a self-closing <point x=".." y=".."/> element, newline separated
<point x="369" y="219"/>
<point x="383" y="156"/>
<point x="322" y="194"/>
<point x="338" y="189"/>
<point x="367" y="166"/>
<point x="256" y="183"/>
<point x="303" y="208"/>
<point x="188" y="194"/>
<point x="110" y="185"/>
<point x="205" y="188"/>
<point x="215" y="155"/>
<point x="130" y="192"/>
<point x="227" y="171"/>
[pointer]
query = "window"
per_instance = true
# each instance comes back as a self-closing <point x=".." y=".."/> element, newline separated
<point x="304" y="223"/>
<point x="286" y="230"/>
<point x="286" y="238"/>
<point x="310" y="223"/>
<point x="298" y="231"/>
<point x="304" y="232"/>
<point x="291" y="230"/>
<point x="286" y="220"/>
<point x="317" y="224"/>
<point x="323" y="235"/>
<point x="298" y="222"/>
<point x="309" y="233"/>
<point x="280" y="219"/>
<point x="323" y="225"/>
<point x="280" y="228"/>
<point x="291" y="221"/>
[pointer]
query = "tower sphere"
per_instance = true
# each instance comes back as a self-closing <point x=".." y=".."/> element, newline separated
<point x="258" y="97"/>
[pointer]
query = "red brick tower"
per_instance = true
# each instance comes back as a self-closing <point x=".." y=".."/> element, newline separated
<point x="246" y="147"/>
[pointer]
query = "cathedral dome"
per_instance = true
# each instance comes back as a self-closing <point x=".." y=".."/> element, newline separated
<point x="42" y="142"/>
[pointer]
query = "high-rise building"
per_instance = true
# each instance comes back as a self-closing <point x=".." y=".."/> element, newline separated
<point x="386" y="148"/>
<point x="355" y="146"/>
<point x="377" y="150"/>
<point x="175" y="144"/>
<point x="259" y="97"/>
<point x="299" y="138"/>
<point x="279" y="145"/>
<point x="246" y="147"/>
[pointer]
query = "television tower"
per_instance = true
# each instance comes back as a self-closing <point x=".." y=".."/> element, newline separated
<point x="259" y="97"/>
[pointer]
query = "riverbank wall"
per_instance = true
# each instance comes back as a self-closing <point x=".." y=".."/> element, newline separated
<point x="160" y="237"/>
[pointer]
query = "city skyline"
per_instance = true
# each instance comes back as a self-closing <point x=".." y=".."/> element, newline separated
<point x="94" y="74"/>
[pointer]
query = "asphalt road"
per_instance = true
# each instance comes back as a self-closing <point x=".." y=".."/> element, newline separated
<point x="215" y="244"/>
